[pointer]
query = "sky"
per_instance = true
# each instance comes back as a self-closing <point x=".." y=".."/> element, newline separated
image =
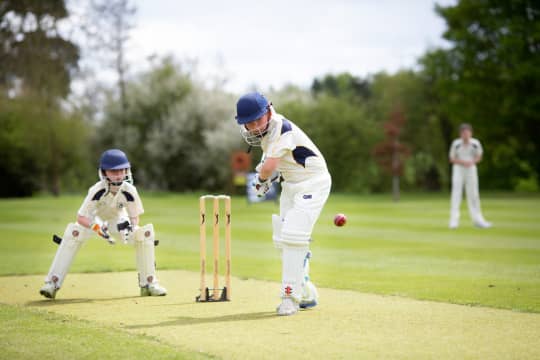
<point x="262" y="44"/>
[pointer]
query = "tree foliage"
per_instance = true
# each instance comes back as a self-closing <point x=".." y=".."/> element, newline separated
<point x="43" y="148"/>
<point x="345" y="134"/>
<point x="490" y="77"/>
<point x="179" y="136"/>
<point x="33" y="55"/>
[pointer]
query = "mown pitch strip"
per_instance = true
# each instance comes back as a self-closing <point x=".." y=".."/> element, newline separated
<point x="346" y="324"/>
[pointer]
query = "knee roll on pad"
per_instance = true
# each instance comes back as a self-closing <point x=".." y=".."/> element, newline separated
<point x="145" y="254"/>
<point x="76" y="233"/>
<point x="145" y="233"/>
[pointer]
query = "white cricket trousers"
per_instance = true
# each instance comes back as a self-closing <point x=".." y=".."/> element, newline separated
<point x="300" y="207"/>
<point x="465" y="177"/>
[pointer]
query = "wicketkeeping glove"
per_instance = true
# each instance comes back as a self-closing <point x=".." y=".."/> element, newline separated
<point x="103" y="231"/>
<point x="125" y="228"/>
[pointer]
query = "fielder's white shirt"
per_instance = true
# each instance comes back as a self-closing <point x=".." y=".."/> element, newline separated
<point x="110" y="207"/>
<point x="300" y="159"/>
<point x="468" y="152"/>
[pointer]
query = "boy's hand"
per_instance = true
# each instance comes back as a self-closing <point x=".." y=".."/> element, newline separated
<point x="261" y="187"/>
<point x="125" y="229"/>
<point x="275" y="177"/>
<point x="103" y="231"/>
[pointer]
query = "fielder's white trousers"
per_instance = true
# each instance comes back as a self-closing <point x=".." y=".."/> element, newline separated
<point x="465" y="177"/>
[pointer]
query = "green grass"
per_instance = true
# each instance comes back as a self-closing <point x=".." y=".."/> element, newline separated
<point x="31" y="334"/>
<point x="391" y="248"/>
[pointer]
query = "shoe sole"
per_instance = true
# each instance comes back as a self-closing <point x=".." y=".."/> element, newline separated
<point x="46" y="294"/>
<point x="287" y="313"/>
<point x="146" y="292"/>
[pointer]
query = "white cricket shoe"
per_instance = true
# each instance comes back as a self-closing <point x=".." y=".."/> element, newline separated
<point x="287" y="307"/>
<point x="453" y="225"/>
<point x="483" y="225"/>
<point x="310" y="296"/>
<point x="153" y="289"/>
<point x="48" y="290"/>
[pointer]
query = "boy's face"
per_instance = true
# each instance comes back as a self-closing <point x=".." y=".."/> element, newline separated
<point x="116" y="175"/>
<point x="466" y="134"/>
<point x="259" y="125"/>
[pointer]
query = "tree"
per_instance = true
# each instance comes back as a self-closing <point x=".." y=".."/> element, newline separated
<point x="108" y="32"/>
<point x="490" y="76"/>
<point x="179" y="135"/>
<point x="33" y="54"/>
<point x="40" y="143"/>
<point x="343" y="85"/>
<point x="427" y="167"/>
<point x="345" y="132"/>
<point x="390" y="154"/>
<point x="41" y="151"/>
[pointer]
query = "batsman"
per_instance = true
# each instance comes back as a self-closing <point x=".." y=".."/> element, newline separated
<point x="291" y="157"/>
<point x="111" y="210"/>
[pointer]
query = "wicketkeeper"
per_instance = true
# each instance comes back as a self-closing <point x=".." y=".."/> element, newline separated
<point x="111" y="210"/>
<point x="465" y="153"/>
<point x="291" y="157"/>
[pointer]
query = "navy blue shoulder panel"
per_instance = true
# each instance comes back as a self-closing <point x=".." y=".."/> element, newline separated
<point x="128" y="196"/>
<point x="301" y="153"/>
<point x="286" y="126"/>
<point x="99" y="194"/>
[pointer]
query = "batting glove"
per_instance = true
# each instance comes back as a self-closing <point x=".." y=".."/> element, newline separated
<point x="261" y="187"/>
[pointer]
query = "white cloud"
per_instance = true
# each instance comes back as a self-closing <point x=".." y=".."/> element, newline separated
<point x="272" y="43"/>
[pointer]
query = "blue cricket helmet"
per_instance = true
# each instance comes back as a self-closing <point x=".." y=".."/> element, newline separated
<point x="250" y="107"/>
<point x="114" y="159"/>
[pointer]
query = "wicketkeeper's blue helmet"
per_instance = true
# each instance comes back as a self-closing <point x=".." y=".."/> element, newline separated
<point x="250" y="107"/>
<point x="114" y="159"/>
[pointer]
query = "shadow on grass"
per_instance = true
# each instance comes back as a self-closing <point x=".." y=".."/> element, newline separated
<point x="186" y="320"/>
<point x="49" y="302"/>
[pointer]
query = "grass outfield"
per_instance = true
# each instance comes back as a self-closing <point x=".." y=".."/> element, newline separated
<point x="388" y="248"/>
<point x="402" y="249"/>
<point x="31" y="334"/>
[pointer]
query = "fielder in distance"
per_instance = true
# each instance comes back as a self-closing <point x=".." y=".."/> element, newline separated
<point x="465" y="153"/>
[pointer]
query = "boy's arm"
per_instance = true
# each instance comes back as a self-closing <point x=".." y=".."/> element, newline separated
<point x="465" y="163"/>
<point x="134" y="220"/>
<point x="84" y="221"/>
<point x="269" y="166"/>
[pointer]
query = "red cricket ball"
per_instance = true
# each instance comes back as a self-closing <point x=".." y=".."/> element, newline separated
<point x="340" y="219"/>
